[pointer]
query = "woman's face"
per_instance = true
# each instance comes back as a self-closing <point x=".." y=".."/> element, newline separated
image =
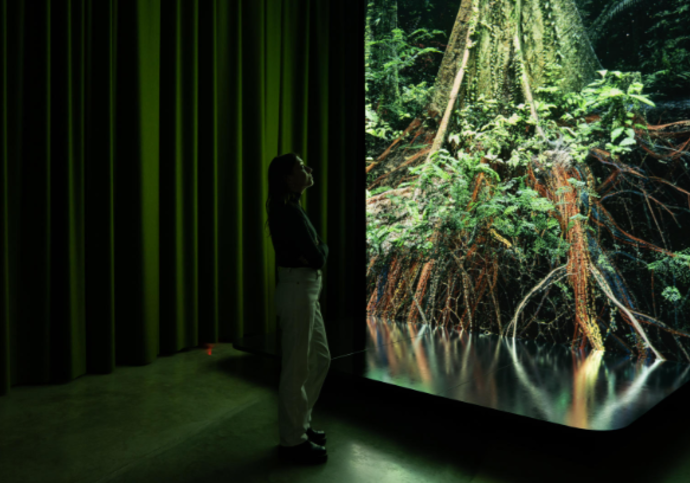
<point x="301" y="177"/>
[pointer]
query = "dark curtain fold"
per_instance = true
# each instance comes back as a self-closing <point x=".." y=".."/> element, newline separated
<point x="136" y="138"/>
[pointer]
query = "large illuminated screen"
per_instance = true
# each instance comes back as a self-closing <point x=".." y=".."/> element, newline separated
<point x="527" y="170"/>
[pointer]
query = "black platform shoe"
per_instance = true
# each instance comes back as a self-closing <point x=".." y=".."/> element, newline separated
<point x="318" y="437"/>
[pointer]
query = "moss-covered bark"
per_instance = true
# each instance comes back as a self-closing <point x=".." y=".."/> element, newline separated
<point x="552" y="34"/>
<point x="451" y="59"/>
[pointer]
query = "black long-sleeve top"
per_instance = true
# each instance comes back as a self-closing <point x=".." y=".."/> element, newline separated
<point x="293" y="236"/>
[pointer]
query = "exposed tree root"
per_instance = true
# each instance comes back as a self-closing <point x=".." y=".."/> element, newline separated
<point x="548" y="280"/>
<point x="604" y="287"/>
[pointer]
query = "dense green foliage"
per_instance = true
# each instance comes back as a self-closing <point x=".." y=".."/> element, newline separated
<point x="399" y="101"/>
<point x="401" y="67"/>
<point x="505" y="134"/>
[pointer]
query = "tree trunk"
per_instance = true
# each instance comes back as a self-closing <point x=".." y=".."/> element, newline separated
<point x="550" y="35"/>
<point x="545" y="32"/>
<point x="396" y="70"/>
<point x="451" y="60"/>
<point x="368" y="39"/>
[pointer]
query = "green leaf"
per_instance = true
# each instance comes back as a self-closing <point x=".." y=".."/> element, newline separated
<point x="510" y="210"/>
<point x="672" y="294"/>
<point x="627" y="142"/>
<point x="613" y="92"/>
<point x="441" y="173"/>
<point x="512" y="120"/>
<point x="635" y="86"/>
<point x="382" y="232"/>
<point x="643" y="99"/>
<point x="616" y="132"/>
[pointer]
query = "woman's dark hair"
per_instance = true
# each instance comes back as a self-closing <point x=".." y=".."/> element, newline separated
<point x="278" y="191"/>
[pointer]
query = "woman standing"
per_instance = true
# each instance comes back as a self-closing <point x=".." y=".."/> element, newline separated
<point x="300" y="256"/>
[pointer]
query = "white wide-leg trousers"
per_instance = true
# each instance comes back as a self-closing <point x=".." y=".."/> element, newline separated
<point x="305" y="354"/>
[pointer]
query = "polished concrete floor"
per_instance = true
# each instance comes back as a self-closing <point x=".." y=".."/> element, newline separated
<point x="213" y="418"/>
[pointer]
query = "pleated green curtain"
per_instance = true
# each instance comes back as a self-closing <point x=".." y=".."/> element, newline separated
<point x="135" y="142"/>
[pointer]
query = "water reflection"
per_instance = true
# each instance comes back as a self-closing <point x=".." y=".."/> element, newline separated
<point x="595" y="390"/>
